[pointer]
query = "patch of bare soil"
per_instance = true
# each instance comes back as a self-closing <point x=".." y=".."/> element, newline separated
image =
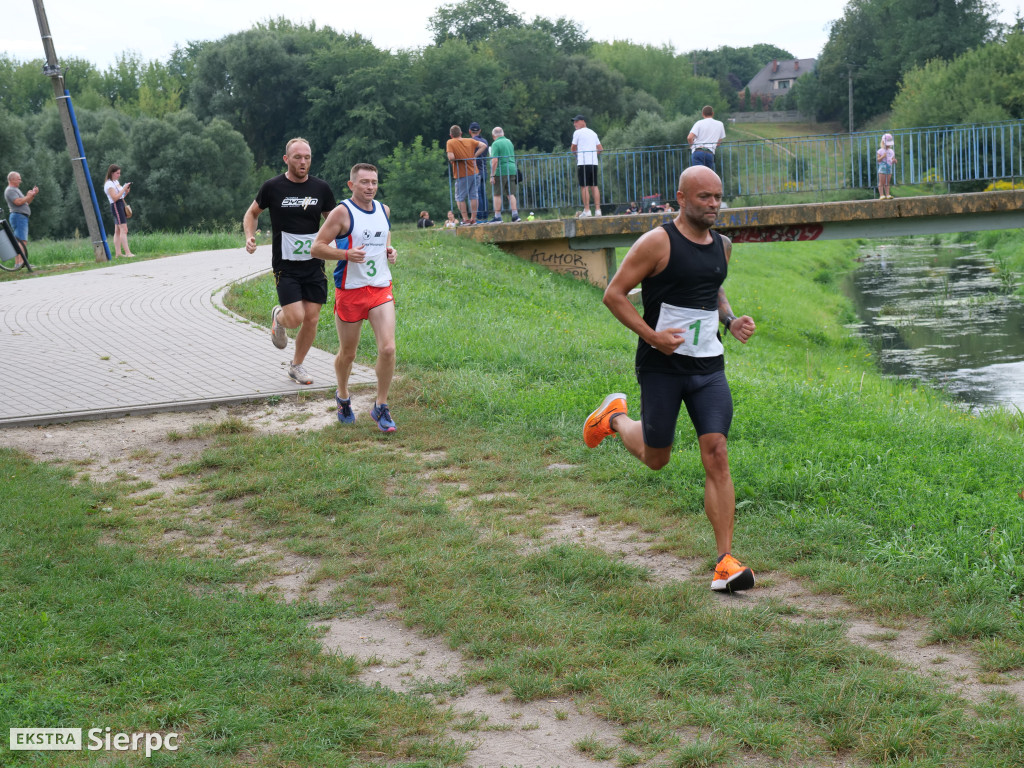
<point x="504" y="732"/>
<point x="140" y="448"/>
<point x="628" y="543"/>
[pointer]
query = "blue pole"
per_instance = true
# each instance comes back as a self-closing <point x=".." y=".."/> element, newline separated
<point x="85" y="166"/>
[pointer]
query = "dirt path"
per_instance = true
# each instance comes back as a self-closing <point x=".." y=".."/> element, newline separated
<point x="504" y="733"/>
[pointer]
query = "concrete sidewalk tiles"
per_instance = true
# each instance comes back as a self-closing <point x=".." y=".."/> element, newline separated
<point x="140" y="337"/>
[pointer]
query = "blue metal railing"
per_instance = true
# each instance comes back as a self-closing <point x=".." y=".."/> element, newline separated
<point x="947" y="154"/>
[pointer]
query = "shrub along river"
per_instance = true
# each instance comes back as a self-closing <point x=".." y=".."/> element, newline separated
<point x="943" y="314"/>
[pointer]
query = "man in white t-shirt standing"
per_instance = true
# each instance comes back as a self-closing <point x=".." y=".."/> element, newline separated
<point x="587" y="148"/>
<point x="704" y="138"/>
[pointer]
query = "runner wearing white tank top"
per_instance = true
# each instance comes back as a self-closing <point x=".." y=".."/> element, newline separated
<point x="371" y="231"/>
<point x="357" y="234"/>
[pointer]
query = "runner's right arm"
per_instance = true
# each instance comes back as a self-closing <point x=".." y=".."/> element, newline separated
<point x="648" y="255"/>
<point x="250" y="222"/>
<point x="337" y="221"/>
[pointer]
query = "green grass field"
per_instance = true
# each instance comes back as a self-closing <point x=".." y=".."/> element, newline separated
<point x="879" y="493"/>
<point x="51" y="256"/>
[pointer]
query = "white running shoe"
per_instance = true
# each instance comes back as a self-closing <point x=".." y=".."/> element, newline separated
<point x="277" y="331"/>
<point x="298" y="373"/>
<point x="583" y="214"/>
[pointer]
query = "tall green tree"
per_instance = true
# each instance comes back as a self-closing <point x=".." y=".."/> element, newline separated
<point x="457" y="83"/>
<point x="355" y="119"/>
<point x="660" y="72"/>
<point x="876" y="41"/>
<point x="472" y="20"/>
<point x="982" y="85"/>
<point x="533" y="84"/>
<point x="568" y="35"/>
<point x="187" y="174"/>
<point x="24" y="89"/>
<point x="256" y="81"/>
<point x="14" y="146"/>
<point x="121" y="80"/>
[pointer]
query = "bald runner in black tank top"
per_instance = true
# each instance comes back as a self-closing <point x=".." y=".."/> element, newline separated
<point x="691" y="279"/>
<point x="681" y="267"/>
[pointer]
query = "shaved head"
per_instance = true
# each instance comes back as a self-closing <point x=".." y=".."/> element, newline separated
<point x="698" y="175"/>
<point x="699" y="198"/>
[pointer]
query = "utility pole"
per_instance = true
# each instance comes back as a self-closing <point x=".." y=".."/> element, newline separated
<point x="849" y="96"/>
<point x="52" y="70"/>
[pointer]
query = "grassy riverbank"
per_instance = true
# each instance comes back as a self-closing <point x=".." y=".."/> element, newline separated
<point x="1007" y="248"/>
<point x="498" y="346"/>
<point x="875" y="492"/>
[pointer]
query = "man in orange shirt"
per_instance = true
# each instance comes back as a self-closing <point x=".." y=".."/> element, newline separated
<point x="462" y="154"/>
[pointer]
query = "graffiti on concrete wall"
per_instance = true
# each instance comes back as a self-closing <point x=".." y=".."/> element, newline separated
<point x="800" y="232"/>
<point x="567" y="262"/>
<point x="558" y="257"/>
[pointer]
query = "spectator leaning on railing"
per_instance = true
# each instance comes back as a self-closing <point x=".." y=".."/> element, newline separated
<point x="462" y="154"/>
<point x="704" y="138"/>
<point x="504" y="174"/>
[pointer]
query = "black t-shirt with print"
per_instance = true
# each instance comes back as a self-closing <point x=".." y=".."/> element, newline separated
<point x="295" y="210"/>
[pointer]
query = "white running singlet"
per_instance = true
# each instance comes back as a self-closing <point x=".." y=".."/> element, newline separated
<point x="369" y="230"/>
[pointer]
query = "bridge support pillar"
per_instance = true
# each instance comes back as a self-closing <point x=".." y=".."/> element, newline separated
<point x="595" y="266"/>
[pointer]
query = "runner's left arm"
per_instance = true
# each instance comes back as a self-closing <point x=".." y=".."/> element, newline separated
<point x="741" y="327"/>
<point x="392" y="253"/>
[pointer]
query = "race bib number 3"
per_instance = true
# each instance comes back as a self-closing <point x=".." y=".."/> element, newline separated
<point x="699" y="329"/>
<point x="296" y="247"/>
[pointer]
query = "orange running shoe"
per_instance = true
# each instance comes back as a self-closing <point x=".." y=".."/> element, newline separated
<point x="731" y="575"/>
<point x="598" y="424"/>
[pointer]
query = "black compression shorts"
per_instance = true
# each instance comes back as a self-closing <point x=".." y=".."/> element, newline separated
<point x="706" y="395"/>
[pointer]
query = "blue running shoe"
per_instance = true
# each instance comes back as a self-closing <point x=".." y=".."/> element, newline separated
<point x="382" y="416"/>
<point x="345" y="413"/>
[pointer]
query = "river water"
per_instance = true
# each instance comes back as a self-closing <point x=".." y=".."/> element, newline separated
<point x="940" y="314"/>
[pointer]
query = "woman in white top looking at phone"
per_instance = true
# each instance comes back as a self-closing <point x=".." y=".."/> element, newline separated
<point x="116" y="194"/>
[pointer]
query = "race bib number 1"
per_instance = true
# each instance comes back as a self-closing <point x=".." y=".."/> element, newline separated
<point x="699" y="330"/>
<point x="296" y="247"/>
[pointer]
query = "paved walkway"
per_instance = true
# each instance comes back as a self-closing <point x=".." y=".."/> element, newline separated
<point x="140" y="337"/>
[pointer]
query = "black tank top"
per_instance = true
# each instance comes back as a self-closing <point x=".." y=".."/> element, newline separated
<point x="691" y="279"/>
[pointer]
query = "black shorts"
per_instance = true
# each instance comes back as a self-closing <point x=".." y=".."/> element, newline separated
<point x="118" y="212"/>
<point x="301" y="286"/>
<point x="706" y="395"/>
<point x="587" y="174"/>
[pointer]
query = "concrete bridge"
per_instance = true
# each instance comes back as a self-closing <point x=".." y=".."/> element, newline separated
<point x="585" y="248"/>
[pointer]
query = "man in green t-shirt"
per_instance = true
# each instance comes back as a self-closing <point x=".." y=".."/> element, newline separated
<point x="504" y="174"/>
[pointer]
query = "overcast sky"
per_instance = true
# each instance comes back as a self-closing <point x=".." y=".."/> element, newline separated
<point x="100" y="31"/>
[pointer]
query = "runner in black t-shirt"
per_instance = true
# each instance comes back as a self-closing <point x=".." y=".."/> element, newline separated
<point x="297" y="201"/>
